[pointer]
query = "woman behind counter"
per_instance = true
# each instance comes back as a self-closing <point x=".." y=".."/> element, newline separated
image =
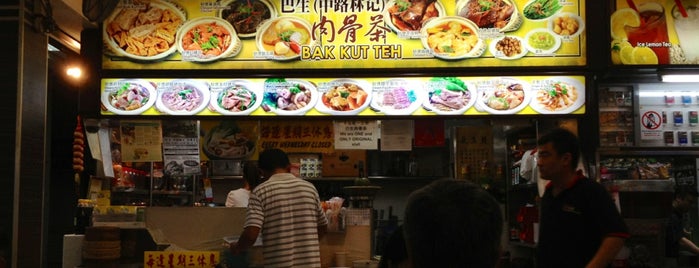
<point x="251" y="178"/>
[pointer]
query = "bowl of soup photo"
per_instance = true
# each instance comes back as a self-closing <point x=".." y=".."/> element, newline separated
<point x="542" y="42"/>
<point x="452" y="38"/>
<point x="183" y="97"/>
<point x="282" y="38"/>
<point x="129" y="96"/>
<point x="344" y="96"/>
<point x="503" y="96"/>
<point x="236" y="97"/>
<point x="207" y="39"/>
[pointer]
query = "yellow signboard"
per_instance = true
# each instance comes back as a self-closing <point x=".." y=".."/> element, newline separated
<point x="423" y="96"/>
<point x="322" y="34"/>
<point x="180" y="259"/>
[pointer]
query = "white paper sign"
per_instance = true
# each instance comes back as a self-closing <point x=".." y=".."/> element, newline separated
<point x="356" y="135"/>
<point x="397" y="135"/>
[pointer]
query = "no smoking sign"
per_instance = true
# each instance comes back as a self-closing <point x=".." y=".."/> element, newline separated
<point x="651" y="120"/>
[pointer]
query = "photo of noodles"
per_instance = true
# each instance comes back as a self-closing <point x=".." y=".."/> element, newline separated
<point x="557" y="96"/>
<point x="145" y="30"/>
<point x="290" y="96"/>
<point x="448" y="95"/>
<point x="409" y="15"/>
<point x="207" y="38"/>
<point x="184" y="98"/>
<point x="344" y="97"/>
<point x="129" y="97"/>
<point x="488" y="13"/>
<point x="247" y="15"/>
<point x="450" y="37"/>
<point x="237" y="98"/>
<point x="506" y="95"/>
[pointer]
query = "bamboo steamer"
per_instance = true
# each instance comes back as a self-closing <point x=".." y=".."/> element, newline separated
<point x="101" y="247"/>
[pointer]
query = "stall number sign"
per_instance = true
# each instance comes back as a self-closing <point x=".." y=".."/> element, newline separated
<point x="180" y="259"/>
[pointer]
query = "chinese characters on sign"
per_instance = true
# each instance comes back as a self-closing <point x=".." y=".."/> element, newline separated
<point x="180" y="259"/>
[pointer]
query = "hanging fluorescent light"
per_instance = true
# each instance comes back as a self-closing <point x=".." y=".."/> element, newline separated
<point x="679" y="78"/>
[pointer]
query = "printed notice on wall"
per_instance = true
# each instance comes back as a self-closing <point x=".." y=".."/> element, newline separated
<point x="140" y="141"/>
<point x="181" y="147"/>
<point x="397" y="135"/>
<point x="356" y="135"/>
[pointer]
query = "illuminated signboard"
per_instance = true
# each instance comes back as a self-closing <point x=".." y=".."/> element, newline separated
<point x="422" y="96"/>
<point x="322" y="34"/>
<point x="655" y="32"/>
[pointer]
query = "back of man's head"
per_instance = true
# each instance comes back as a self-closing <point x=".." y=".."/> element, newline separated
<point x="272" y="159"/>
<point x="453" y="223"/>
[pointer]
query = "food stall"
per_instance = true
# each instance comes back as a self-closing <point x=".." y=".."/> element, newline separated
<point x="647" y="114"/>
<point x="391" y="90"/>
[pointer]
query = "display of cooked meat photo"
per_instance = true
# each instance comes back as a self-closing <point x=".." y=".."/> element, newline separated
<point x="488" y="13"/>
<point x="409" y="15"/>
<point x="246" y="15"/>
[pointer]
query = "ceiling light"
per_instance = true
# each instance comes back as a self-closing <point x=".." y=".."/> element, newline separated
<point x="74" y="72"/>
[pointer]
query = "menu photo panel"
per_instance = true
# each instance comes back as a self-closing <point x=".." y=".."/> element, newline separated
<point x="361" y="34"/>
<point x="655" y="32"/>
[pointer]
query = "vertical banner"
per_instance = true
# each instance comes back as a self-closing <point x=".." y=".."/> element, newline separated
<point x="296" y="136"/>
<point x="429" y="133"/>
<point x="356" y="135"/>
<point x="141" y="141"/>
<point x="181" y="147"/>
<point x="396" y="135"/>
<point x="474" y="152"/>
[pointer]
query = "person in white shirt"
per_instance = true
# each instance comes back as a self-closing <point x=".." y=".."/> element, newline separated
<point x="251" y="178"/>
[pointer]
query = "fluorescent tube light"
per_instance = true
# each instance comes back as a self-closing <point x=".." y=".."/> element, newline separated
<point x="679" y="78"/>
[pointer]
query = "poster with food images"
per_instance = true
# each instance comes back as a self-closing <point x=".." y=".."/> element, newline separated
<point x="413" y="96"/>
<point x="655" y="32"/>
<point x="323" y="34"/>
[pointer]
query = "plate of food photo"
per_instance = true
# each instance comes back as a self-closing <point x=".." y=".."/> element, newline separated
<point x="452" y="38"/>
<point x="539" y="10"/>
<point x="236" y="97"/>
<point x="207" y="39"/>
<point x="408" y="16"/>
<point x="289" y="96"/>
<point x="283" y="37"/>
<point x="558" y="95"/>
<point x="508" y="47"/>
<point x="344" y="96"/>
<point x="144" y="31"/>
<point x="503" y="96"/>
<point x="129" y="96"/>
<point x="487" y="14"/>
<point x="449" y="95"/>
<point x="247" y="15"/>
<point x="542" y="41"/>
<point x="397" y="96"/>
<point x="183" y="97"/>
<point x="566" y="25"/>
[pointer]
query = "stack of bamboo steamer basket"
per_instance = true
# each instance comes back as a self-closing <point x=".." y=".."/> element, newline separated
<point x="101" y="247"/>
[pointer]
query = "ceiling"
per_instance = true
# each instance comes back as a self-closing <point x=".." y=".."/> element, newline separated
<point x="69" y="17"/>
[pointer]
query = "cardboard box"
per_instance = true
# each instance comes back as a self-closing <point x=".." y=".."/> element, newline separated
<point x="343" y="163"/>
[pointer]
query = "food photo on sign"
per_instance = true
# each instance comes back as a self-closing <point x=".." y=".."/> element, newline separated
<point x="229" y="139"/>
<point x="264" y="34"/>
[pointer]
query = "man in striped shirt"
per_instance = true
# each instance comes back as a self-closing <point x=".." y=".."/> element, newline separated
<point x="287" y="211"/>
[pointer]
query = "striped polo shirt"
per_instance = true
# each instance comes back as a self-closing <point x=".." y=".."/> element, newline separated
<point x="288" y="211"/>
